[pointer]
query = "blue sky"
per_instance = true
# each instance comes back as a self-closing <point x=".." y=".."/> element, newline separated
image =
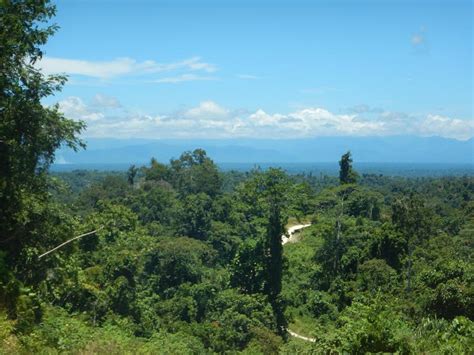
<point x="222" y="69"/>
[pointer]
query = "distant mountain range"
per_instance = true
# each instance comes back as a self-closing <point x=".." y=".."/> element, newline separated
<point x="393" y="149"/>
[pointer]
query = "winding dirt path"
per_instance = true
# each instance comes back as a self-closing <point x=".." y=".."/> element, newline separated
<point x="291" y="238"/>
<point x="296" y="335"/>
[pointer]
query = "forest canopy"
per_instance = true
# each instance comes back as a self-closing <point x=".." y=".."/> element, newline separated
<point x="385" y="265"/>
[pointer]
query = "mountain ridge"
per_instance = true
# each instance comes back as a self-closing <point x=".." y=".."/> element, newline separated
<point x="390" y="149"/>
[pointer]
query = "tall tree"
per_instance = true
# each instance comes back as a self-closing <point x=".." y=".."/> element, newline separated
<point x="346" y="174"/>
<point x="131" y="174"/>
<point x="274" y="185"/>
<point x="258" y="266"/>
<point x="29" y="132"/>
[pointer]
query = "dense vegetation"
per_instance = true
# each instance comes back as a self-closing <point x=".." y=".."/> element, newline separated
<point x="186" y="259"/>
<point x="179" y="265"/>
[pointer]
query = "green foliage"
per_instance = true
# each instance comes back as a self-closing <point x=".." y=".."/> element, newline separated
<point x="191" y="274"/>
<point x="411" y="217"/>
<point x="30" y="132"/>
<point x="27" y="312"/>
<point x="346" y="174"/>
<point x="235" y="318"/>
<point x="348" y="273"/>
<point x="301" y="200"/>
<point x="131" y="174"/>
<point x="389" y="245"/>
<point x="29" y="135"/>
<point x="112" y="187"/>
<point x="195" y="216"/>
<point x="156" y="171"/>
<point x="194" y="173"/>
<point x="444" y="337"/>
<point x="176" y="261"/>
<point x="224" y="240"/>
<point x="155" y="202"/>
<point x="177" y="343"/>
<point x="248" y="267"/>
<point x="262" y="262"/>
<point x="373" y="327"/>
<point x="448" y="289"/>
<point x="61" y="333"/>
<point x="375" y="275"/>
<point x="320" y="303"/>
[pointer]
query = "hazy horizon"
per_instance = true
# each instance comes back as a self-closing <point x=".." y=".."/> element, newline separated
<point x="394" y="149"/>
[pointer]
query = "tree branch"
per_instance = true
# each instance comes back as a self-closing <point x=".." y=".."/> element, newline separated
<point x="69" y="241"/>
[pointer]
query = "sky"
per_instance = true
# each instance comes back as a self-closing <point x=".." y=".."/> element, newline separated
<point x="265" y="69"/>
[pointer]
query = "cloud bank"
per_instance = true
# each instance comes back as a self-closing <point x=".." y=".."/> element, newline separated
<point x="106" y="117"/>
<point x="120" y="67"/>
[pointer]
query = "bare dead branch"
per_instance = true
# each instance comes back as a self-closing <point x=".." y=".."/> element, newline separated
<point x="69" y="241"/>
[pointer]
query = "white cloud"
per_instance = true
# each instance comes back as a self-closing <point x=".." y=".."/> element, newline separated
<point x="119" y="67"/>
<point x="207" y="110"/>
<point x="210" y="120"/>
<point x="183" y="78"/>
<point x="447" y="127"/>
<point x="73" y="107"/>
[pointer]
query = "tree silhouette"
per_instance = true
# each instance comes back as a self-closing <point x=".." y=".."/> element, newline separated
<point x="346" y="174"/>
